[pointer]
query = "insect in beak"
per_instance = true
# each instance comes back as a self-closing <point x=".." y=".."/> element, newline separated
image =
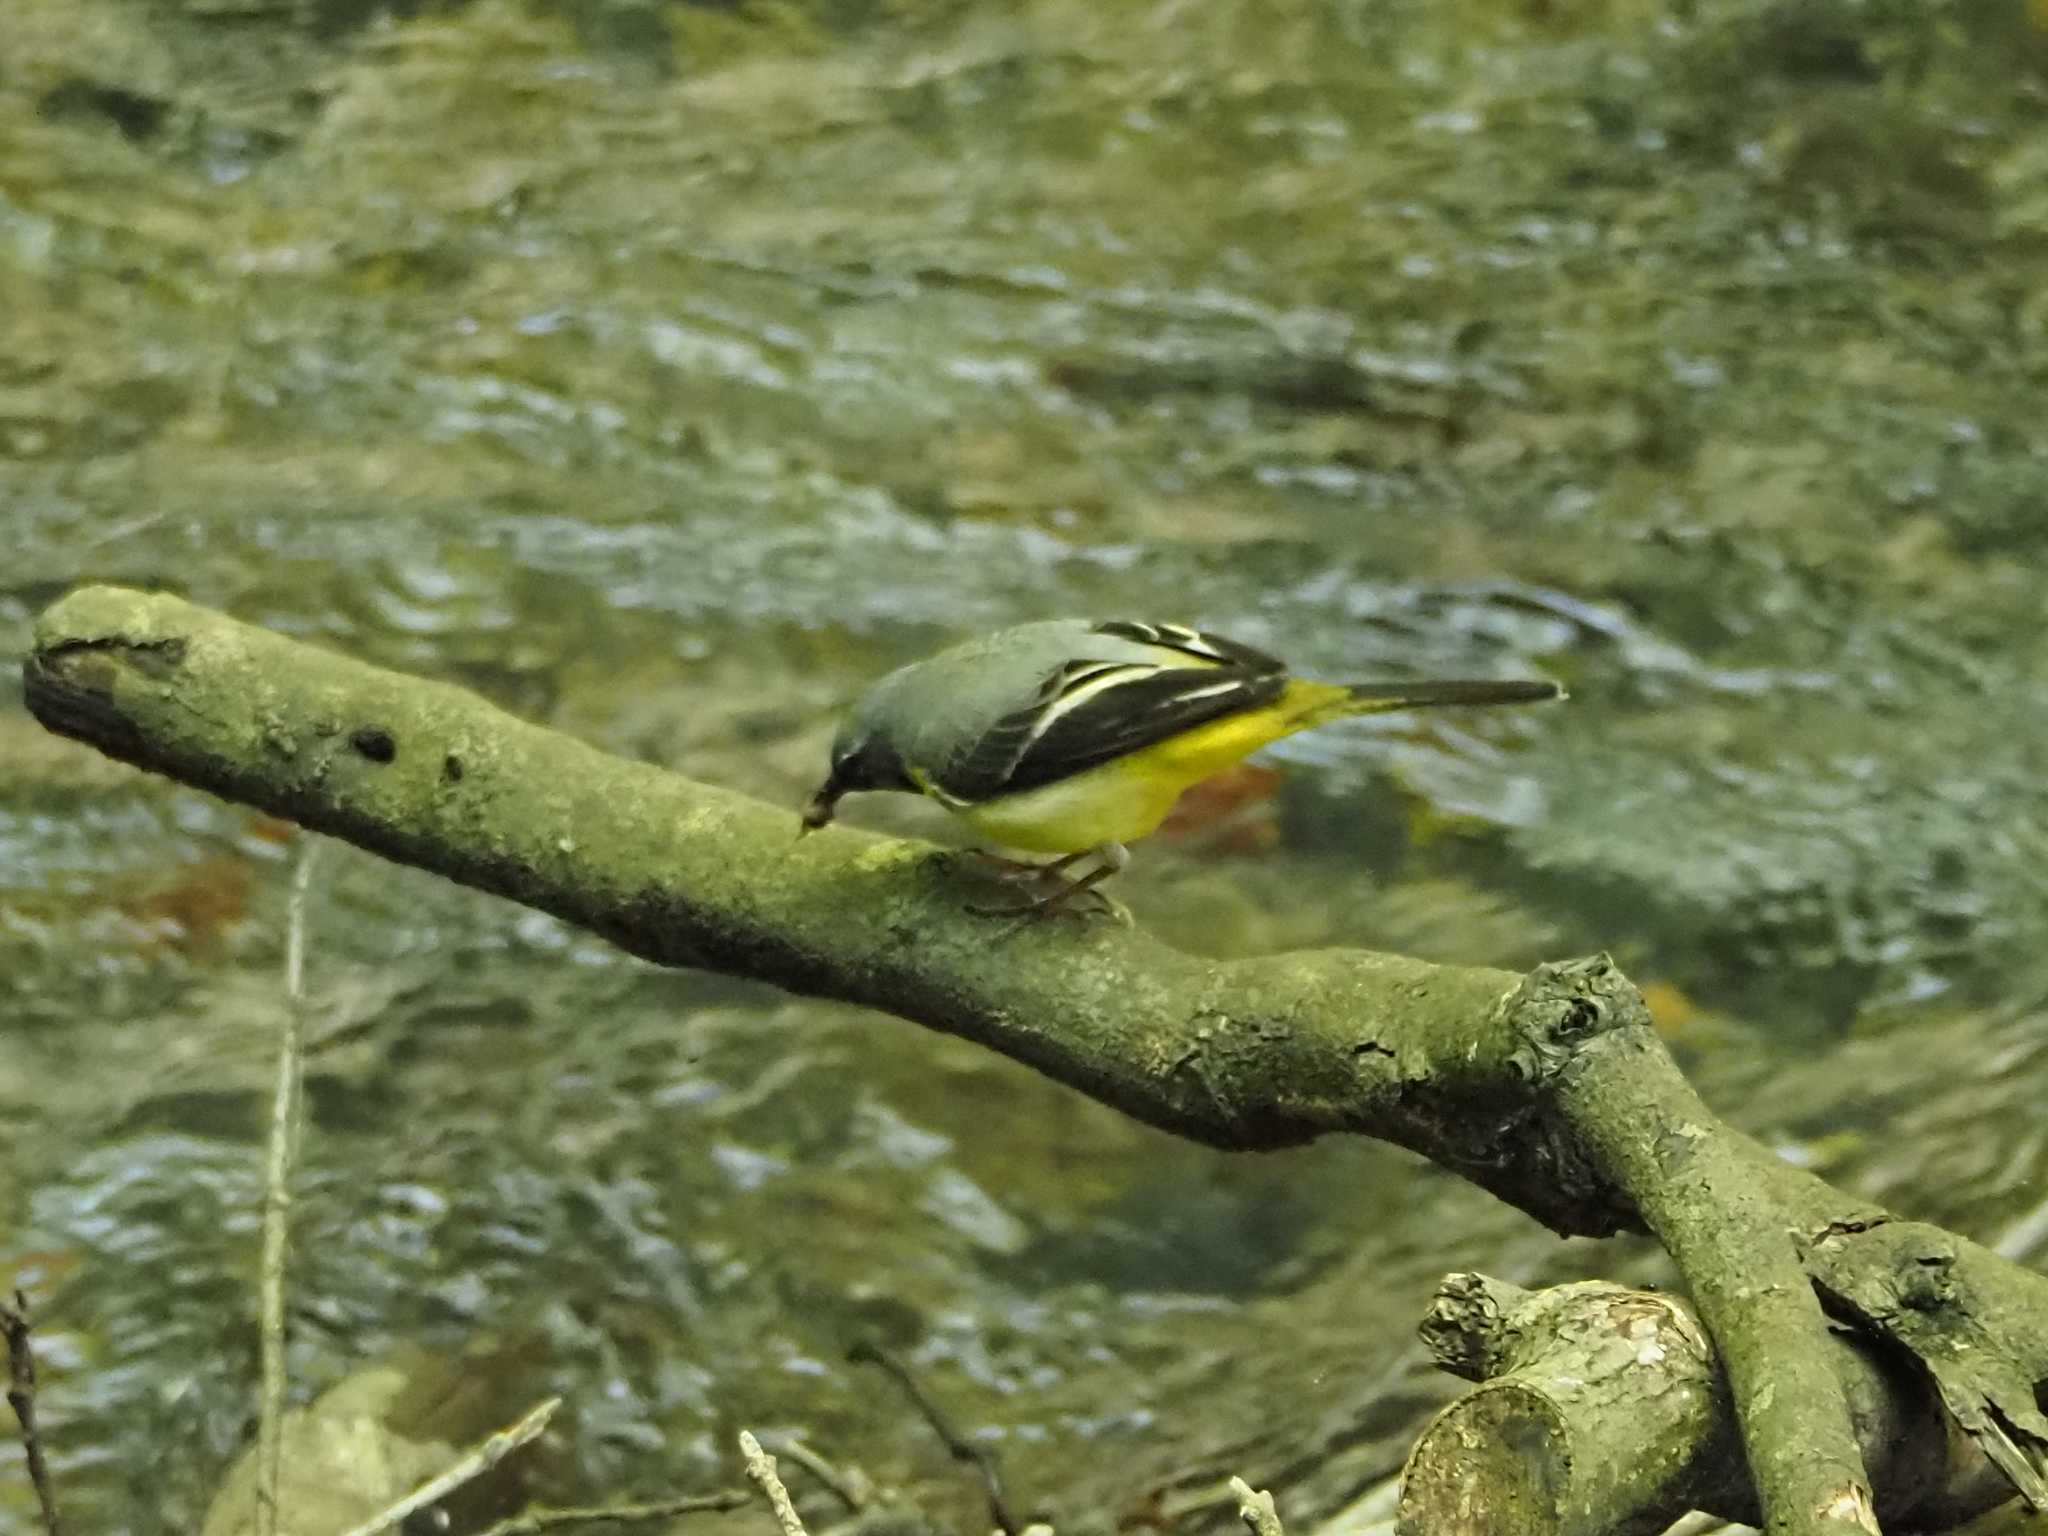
<point x="819" y="809"/>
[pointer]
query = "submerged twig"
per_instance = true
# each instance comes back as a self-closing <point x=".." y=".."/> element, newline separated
<point x="963" y="1449"/>
<point x="1255" y="1508"/>
<point x="473" y="1463"/>
<point x="21" y="1394"/>
<point x="761" y="1472"/>
<point x="851" y="1486"/>
<point x="277" y="1194"/>
<point x="535" y="1521"/>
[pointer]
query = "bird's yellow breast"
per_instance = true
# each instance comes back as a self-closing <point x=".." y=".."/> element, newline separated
<point x="1127" y="798"/>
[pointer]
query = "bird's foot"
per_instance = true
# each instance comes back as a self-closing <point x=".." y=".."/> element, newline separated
<point x="1066" y="893"/>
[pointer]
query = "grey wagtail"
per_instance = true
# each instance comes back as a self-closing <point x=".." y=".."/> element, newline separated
<point x="1069" y="738"/>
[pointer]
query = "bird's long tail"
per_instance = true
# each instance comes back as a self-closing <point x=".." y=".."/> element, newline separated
<point x="1318" y="703"/>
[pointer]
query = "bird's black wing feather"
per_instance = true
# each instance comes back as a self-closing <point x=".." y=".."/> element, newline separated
<point x="1089" y="712"/>
<point x="986" y="766"/>
<point x="1200" y="643"/>
<point x="1137" y="714"/>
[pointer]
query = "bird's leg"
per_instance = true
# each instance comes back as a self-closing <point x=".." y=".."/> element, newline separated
<point x="1024" y="871"/>
<point x="1088" y="885"/>
<point x="1114" y="856"/>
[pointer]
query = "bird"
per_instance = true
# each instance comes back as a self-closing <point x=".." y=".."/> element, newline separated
<point x="1073" y="738"/>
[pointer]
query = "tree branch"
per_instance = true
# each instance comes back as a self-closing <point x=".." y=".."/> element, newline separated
<point x="1249" y="1054"/>
<point x="1604" y="1412"/>
<point x="1710" y="1199"/>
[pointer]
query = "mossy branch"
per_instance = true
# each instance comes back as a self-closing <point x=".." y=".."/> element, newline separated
<point x="1550" y="1091"/>
<point x="1250" y="1054"/>
<point x="1602" y="1411"/>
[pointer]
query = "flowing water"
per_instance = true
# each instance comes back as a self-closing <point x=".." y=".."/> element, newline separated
<point x="664" y="371"/>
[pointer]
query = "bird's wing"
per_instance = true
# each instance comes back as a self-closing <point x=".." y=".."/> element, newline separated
<point x="1089" y="710"/>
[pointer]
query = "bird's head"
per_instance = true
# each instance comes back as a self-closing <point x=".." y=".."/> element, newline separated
<point x="862" y="758"/>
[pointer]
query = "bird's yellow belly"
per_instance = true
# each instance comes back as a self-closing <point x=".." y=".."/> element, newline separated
<point x="1123" y="800"/>
<point x="1110" y="804"/>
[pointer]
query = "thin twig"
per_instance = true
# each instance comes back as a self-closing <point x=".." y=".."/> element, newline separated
<point x="1255" y="1508"/>
<point x="535" y="1521"/>
<point x="277" y="1196"/>
<point x="963" y="1449"/>
<point x="761" y="1473"/>
<point x="21" y="1393"/>
<point x="473" y="1463"/>
<point x="851" y="1486"/>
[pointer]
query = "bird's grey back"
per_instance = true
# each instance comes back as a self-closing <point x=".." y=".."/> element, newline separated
<point x="938" y="709"/>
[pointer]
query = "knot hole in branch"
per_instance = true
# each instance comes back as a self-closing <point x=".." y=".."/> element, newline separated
<point x="1562" y="1005"/>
